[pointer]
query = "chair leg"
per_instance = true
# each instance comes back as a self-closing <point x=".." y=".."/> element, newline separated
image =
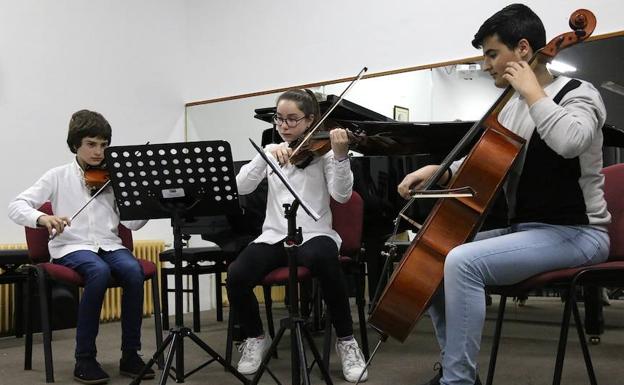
<point x="496" y="341"/>
<point x="28" y="330"/>
<point x="164" y="297"/>
<point x="157" y="319"/>
<point x="229" y="342"/>
<point x="563" y="334"/>
<point x="584" y="348"/>
<point x="327" y="340"/>
<point x="268" y="306"/>
<point x="19" y="308"/>
<point x="360" y="301"/>
<point x="317" y="310"/>
<point x="219" y="294"/>
<point x="195" y="292"/>
<point x="45" y="324"/>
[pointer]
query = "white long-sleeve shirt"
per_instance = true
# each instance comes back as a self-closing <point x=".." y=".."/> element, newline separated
<point x="93" y="229"/>
<point x="322" y="178"/>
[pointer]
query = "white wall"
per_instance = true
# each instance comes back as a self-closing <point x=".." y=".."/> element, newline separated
<point x="461" y="96"/>
<point x="125" y="59"/>
<point x="243" y="46"/>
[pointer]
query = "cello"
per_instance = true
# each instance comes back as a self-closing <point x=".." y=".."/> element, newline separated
<point x="454" y="221"/>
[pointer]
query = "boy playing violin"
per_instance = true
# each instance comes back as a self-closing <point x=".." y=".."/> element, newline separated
<point x="321" y="178"/>
<point x="558" y="214"/>
<point x="89" y="245"/>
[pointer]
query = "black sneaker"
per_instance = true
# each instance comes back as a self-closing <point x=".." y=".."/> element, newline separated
<point x="436" y="379"/>
<point x="89" y="371"/>
<point x="131" y="365"/>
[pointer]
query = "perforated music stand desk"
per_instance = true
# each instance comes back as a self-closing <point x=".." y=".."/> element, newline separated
<point x="177" y="181"/>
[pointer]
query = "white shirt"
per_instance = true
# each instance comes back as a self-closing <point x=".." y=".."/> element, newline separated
<point x="93" y="229"/>
<point x="322" y="178"/>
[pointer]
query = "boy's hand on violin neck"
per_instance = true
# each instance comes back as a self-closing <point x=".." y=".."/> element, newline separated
<point x="53" y="223"/>
<point x="339" y="142"/>
<point x="282" y="153"/>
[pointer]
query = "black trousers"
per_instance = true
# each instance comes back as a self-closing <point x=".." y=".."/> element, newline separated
<point x="318" y="254"/>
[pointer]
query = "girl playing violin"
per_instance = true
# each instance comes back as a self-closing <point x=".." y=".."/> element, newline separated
<point x="324" y="177"/>
<point x="558" y="214"/>
<point x="90" y="245"/>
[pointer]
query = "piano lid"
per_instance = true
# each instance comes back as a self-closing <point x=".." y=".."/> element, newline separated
<point x="346" y="110"/>
<point x="406" y="138"/>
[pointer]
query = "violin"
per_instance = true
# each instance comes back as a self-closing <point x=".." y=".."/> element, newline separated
<point x="318" y="144"/>
<point x="96" y="177"/>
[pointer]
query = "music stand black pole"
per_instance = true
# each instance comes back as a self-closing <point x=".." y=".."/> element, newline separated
<point x="177" y="181"/>
<point x="294" y="322"/>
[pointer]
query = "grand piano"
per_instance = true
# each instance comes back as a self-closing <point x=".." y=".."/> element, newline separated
<point x="386" y="152"/>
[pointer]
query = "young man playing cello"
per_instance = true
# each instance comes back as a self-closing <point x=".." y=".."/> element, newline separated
<point x="90" y="245"/>
<point x="558" y="214"/>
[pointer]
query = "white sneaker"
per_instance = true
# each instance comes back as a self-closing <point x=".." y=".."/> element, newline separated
<point x="253" y="350"/>
<point x="352" y="360"/>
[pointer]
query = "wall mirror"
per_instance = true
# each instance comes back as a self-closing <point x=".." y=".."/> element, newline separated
<point x="445" y="92"/>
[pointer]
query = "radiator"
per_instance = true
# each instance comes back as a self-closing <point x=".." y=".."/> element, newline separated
<point x="111" y="309"/>
<point x="7" y="305"/>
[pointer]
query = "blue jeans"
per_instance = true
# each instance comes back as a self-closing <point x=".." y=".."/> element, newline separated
<point x="499" y="257"/>
<point x="97" y="270"/>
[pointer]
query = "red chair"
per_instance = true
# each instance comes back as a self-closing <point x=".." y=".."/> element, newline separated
<point x="37" y="241"/>
<point x="607" y="274"/>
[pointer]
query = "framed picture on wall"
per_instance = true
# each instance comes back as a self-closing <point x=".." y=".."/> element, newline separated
<point x="401" y="114"/>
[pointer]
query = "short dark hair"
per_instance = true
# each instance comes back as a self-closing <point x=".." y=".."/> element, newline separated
<point x="87" y="124"/>
<point x="511" y="24"/>
<point x="305" y="101"/>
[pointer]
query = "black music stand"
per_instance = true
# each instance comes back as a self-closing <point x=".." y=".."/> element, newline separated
<point x="294" y="322"/>
<point x="177" y="181"/>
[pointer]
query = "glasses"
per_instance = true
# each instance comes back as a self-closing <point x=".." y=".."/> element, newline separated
<point x="290" y="122"/>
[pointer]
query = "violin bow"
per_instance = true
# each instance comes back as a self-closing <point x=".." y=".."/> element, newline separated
<point x="326" y="114"/>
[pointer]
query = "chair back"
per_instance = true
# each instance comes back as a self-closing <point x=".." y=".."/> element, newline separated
<point x="37" y="239"/>
<point x="347" y="220"/>
<point x="614" y="195"/>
